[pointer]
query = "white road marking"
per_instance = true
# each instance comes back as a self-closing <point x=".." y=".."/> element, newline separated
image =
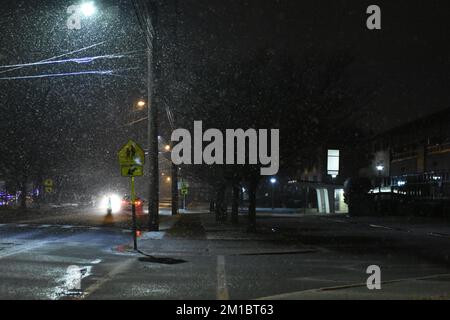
<point x="19" y="248"/>
<point x="45" y="226"/>
<point x="66" y="227"/>
<point x="222" y="291"/>
<point x="2" y="225"/>
<point x="21" y="225"/>
<point x="438" y="234"/>
<point x="67" y="259"/>
<point x="380" y="227"/>
<point x="94" y="228"/>
<point x="158" y="235"/>
<point x="120" y="268"/>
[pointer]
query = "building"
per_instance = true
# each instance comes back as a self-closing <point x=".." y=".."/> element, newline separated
<point x="414" y="158"/>
<point x="417" y="147"/>
<point x="320" y="184"/>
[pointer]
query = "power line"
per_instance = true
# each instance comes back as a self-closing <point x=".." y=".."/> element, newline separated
<point x="60" y="56"/>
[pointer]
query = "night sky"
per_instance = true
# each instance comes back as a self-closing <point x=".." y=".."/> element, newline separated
<point x="408" y="60"/>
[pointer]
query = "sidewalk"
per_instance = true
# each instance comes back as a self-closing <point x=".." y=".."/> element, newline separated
<point x="437" y="226"/>
<point x="199" y="234"/>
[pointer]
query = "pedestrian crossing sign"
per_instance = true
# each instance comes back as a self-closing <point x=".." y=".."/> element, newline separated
<point x="131" y="159"/>
<point x="131" y="154"/>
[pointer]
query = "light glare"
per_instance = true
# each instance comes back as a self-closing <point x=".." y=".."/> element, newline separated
<point x="115" y="203"/>
<point x="88" y="9"/>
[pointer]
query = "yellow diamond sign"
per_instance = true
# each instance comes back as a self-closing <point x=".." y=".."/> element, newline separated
<point x="131" y="159"/>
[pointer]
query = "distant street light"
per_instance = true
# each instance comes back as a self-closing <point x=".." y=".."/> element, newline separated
<point x="88" y="9"/>
<point x="167" y="148"/>
<point x="380" y="168"/>
<point x="273" y="181"/>
<point x="141" y="104"/>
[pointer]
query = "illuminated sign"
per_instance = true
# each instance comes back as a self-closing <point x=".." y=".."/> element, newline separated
<point x="333" y="163"/>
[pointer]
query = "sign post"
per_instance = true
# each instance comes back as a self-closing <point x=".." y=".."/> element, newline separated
<point x="48" y="184"/>
<point x="132" y="159"/>
<point x="184" y="187"/>
<point x="133" y="213"/>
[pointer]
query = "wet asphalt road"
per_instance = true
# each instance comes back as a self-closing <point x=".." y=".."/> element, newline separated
<point x="35" y="259"/>
<point x="300" y="258"/>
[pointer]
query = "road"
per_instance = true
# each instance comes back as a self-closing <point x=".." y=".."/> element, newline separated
<point x="309" y="257"/>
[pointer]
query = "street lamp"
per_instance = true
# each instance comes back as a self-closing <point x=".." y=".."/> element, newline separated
<point x="380" y="168"/>
<point x="167" y="148"/>
<point x="141" y="104"/>
<point x="272" y="182"/>
<point x="88" y="9"/>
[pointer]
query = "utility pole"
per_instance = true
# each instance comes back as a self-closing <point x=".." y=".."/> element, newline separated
<point x="175" y="70"/>
<point x="174" y="189"/>
<point x="147" y="16"/>
<point x="153" y="203"/>
<point x="273" y="196"/>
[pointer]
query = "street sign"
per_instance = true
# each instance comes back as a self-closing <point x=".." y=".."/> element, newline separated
<point x="132" y="171"/>
<point x="131" y="159"/>
<point x="182" y="184"/>
<point x="184" y="188"/>
<point x="131" y="154"/>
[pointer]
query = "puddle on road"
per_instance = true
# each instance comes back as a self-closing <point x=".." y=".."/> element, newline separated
<point x="70" y="283"/>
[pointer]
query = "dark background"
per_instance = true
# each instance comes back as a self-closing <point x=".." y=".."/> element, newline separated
<point x="408" y="59"/>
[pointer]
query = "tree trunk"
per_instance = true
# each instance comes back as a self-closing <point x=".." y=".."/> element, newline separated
<point x="175" y="199"/>
<point x="220" y="208"/>
<point x="23" y="195"/>
<point x="253" y="185"/>
<point x="235" y="204"/>
<point x="212" y="200"/>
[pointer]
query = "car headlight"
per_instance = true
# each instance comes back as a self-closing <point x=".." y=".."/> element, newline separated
<point x="112" y="200"/>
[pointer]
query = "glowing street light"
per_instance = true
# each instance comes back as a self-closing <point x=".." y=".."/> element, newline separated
<point x="141" y="104"/>
<point x="88" y="9"/>
<point x="273" y="181"/>
<point x="380" y="168"/>
<point x="167" y="148"/>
